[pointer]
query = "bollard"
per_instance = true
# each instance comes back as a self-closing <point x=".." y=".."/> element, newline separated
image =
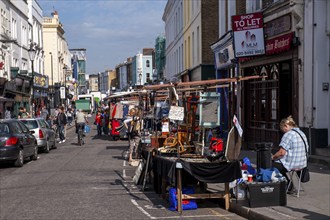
<point x="264" y="158"/>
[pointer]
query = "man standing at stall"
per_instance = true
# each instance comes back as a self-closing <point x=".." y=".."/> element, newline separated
<point x="134" y="132"/>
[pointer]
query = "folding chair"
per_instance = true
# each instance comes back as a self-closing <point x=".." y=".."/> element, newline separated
<point x="293" y="173"/>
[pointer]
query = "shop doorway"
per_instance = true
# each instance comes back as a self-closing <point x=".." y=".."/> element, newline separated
<point x="266" y="102"/>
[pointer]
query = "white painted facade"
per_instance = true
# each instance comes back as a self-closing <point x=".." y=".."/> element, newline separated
<point x="147" y="68"/>
<point x="316" y="65"/>
<point x="57" y="55"/>
<point x="14" y="25"/>
<point x="35" y="34"/>
<point x="139" y="69"/>
<point x="174" y="22"/>
<point x="5" y="45"/>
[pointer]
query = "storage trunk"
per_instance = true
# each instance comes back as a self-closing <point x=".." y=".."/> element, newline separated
<point x="266" y="194"/>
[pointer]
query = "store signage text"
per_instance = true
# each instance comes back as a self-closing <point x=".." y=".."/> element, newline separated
<point x="248" y="35"/>
<point x="41" y="81"/>
<point x="247" y="22"/>
<point x="279" y="44"/>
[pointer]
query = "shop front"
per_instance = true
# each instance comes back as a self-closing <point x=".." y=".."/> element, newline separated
<point x="17" y="89"/>
<point x="266" y="101"/>
<point x="41" y="92"/>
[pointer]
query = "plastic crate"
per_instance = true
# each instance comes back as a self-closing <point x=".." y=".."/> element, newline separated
<point x="266" y="194"/>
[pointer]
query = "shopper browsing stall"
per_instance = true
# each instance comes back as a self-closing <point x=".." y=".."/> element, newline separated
<point x="133" y="125"/>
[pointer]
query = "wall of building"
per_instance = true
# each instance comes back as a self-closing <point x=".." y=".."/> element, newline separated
<point x="316" y="40"/>
<point x="174" y="21"/>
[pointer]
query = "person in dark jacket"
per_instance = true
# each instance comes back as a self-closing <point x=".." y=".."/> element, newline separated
<point x="61" y="121"/>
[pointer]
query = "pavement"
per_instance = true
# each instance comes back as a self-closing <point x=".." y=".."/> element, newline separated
<point x="314" y="200"/>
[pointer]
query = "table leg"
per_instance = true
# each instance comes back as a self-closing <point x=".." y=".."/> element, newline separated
<point x="179" y="191"/>
<point x="227" y="196"/>
<point x="163" y="188"/>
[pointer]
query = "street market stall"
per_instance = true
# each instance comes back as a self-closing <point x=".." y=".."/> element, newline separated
<point x="177" y="122"/>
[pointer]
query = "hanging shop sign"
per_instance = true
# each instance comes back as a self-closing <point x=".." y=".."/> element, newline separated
<point x="40" y="81"/>
<point x="248" y="35"/>
<point x="62" y="92"/>
<point x="277" y="26"/>
<point x="279" y="44"/>
<point x="224" y="51"/>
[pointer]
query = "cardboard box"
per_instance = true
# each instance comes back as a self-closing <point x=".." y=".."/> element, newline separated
<point x="266" y="194"/>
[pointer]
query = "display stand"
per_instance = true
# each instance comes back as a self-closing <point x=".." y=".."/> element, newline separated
<point x="146" y="171"/>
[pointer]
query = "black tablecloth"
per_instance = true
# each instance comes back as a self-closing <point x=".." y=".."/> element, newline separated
<point x="207" y="172"/>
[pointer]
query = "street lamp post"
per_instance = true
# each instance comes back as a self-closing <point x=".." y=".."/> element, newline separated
<point x="32" y="55"/>
<point x="140" y="78"/>
<point x="64" y="73"/>
<point x="52" y="72"/>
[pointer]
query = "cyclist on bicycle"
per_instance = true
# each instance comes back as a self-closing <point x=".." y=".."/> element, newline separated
<point x="81" y="120"/>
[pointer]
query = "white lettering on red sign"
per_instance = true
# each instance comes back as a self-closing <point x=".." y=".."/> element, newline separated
<point x="246" y="22"/>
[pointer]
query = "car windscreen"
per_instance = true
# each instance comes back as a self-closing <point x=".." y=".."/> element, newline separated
<point x="4" y="129"/>
<point x="31" y="124"/>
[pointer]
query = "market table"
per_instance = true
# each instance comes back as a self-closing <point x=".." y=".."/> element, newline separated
<point x="201" y="169"/>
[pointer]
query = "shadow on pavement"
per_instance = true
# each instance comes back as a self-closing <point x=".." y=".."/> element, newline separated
<point x="309" y="214"/>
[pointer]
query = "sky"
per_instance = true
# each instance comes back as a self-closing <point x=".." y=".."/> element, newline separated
<point x="109" y="30"/>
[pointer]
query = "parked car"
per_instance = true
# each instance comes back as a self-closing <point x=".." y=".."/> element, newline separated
<point x="45" y="135"/>
<point x="16" y="142"/>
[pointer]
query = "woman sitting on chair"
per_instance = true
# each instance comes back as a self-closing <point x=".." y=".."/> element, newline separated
<point x="292" y="153"/>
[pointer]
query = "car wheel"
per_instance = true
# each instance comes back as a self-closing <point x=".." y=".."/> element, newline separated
<point x="46" y="149"/>
<point x="20" y="159"/>
<point x="35" y="155"/>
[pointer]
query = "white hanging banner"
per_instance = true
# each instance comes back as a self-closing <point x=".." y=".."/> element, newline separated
<point x="238" y="126"/>
<point x="176" y="113"/>
<point x="62" y="92"/>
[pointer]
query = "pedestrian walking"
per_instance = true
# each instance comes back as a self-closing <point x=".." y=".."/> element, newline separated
<point x="69" y="114"/>
<point x="106" y="122"/>
<point x="44" y="112"/>
<point x="61" y="121"/>
<point x="98" y="122"/>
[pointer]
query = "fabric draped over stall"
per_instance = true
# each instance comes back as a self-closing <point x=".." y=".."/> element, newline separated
<point x="207" y="172"/>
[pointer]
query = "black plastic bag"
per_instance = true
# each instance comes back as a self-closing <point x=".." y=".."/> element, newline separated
<point x="305" y="175"/>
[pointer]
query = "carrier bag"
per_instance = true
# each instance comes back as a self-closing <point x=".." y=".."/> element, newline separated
<point x="186" y="204"/>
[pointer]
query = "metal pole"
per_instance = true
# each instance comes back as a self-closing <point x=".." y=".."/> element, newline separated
<point x="51" y="69"/>
<point x="32" y="88"/>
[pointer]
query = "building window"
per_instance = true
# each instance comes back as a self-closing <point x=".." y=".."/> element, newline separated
<point x="253" y="5"/>
<point x="148" y="77"/>
<point x="148" y="63"/>
<point x="14" y="28"/>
